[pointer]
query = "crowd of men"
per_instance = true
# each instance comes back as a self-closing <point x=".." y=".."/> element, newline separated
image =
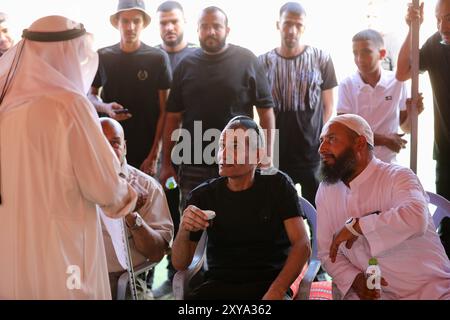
<point x="86" y="151"/>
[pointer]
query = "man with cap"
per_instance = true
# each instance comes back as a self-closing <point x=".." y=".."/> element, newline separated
<point x="135" y="80"/>
<point x="5" y="39"/>
<point x="367" y="208"/>
<point x="56" y="167"/>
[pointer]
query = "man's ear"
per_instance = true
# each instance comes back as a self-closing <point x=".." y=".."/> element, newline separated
<point x="278" y="25"/>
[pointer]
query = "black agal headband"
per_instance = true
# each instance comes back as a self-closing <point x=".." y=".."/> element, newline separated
<point x="54" y="36"/>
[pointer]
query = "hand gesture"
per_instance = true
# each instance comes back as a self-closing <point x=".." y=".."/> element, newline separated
<point x="360" y="287"/>
<point x="194" y="219"/>
<point x="395" y="142"/>
<point x="343" y="235"/>
<point x="413" y="14"/>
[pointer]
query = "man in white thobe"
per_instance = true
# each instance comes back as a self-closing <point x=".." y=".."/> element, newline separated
<point x="56" y="165"/>
<point x="367" y="208"/>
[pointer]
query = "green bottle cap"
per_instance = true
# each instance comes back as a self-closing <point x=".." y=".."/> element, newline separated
<point x="373" y="262"/>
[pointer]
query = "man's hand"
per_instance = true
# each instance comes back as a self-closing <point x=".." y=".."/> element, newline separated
<point x="395" y="142"/>
<point x="113" y="111"/>
<point x="360" y="287"/>
<point x="149" y="165"/>
<point x="194" y="219"/>
<point x="142" y="195"/>
<point x="420" y="106"/>
<point x="167" y="171"/>
<point x="414" y="14"/>
<point x="343" y="235"/>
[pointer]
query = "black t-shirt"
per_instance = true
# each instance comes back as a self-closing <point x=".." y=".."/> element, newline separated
<point x="247" y="240"/>
<point x="435" y="58"/>
<point x="134" y="80"/>
<point x="176" y="57"/>
<point x="215" y="88"/>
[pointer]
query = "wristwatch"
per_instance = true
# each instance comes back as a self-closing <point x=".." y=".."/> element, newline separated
<point x="349" y="225"/>
<point x="138" y="222"/>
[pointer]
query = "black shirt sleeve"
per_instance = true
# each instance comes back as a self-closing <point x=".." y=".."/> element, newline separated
<point x="328" y="75"/>
<point x="97" y="83"/>
<point x="263" y="95"/>
<point x="287" y="204"/>
<point x="194" y="198"/>
<point x="175" y="101"/>
<point x="425" y="56"/>
<point x="165" y="77"/>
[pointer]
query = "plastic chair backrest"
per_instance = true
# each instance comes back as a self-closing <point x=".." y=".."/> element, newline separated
<point x="311" y="215"/>
<point x="441" y="210"/>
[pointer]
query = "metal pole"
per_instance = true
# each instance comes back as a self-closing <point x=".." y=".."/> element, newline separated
<point x="413" y="113"/>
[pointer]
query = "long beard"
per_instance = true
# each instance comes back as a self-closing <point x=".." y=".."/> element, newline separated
<point x="341" y="170"/>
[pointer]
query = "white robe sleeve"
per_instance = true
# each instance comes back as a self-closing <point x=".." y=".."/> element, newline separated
<point x="342" y="270"/>
<point x="408" y="217"/>
<point x="95" y="165"/>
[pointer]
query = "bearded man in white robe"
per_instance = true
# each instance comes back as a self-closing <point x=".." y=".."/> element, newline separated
<point x="367" y="208"/>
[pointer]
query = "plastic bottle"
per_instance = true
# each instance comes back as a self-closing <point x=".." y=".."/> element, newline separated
<point x="373" y="275"/>
<point x="171" y="183"/>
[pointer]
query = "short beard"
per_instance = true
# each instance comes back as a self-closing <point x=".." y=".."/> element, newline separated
<point x="213" y="49"/>
<point x="342" y="170"/>
<point x="174" y="43"/>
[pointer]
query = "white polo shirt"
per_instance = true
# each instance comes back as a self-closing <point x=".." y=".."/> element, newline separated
<point x="380" y="106"/>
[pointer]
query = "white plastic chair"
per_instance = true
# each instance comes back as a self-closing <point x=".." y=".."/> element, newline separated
<point x="441" y="208"/>
<point x="122" y="283"/>
<point x="181" y="279"/>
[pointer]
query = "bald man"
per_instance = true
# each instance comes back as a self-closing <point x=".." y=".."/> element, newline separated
<point x="367" y="208"/>
<point x="151" y="226"/>
<point x="6" y="41"/>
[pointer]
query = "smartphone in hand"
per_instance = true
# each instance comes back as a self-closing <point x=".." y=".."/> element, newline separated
<point x="121" y="111"/>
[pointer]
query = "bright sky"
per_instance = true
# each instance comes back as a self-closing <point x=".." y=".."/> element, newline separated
<point x="330" y="26"/>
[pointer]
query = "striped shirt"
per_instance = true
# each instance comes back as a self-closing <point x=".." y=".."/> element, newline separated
<point x="296" y="85"/>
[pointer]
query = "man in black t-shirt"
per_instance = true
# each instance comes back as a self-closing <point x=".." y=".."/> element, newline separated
<point x="135" y="80"/>
<point x="257" y="243"/>
<point x="435" y="58"/>
<point x="171" y="30"/>
<point x="302" y="79"/>
<point x="210" y="86"/>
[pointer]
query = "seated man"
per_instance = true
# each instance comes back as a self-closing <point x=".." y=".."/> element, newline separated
<point x="379" y="210"/>
<point x="257" y="243"/>
<point x="5" y="38"/>
<point x="151" y="227"/>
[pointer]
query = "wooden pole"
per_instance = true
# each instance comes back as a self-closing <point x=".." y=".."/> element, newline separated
<point x="415" y="25"/>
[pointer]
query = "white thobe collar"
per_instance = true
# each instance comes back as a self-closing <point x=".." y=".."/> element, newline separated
<point x="364" y="175"/>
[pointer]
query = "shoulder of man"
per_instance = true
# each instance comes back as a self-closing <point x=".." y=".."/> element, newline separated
<point x="114" y="49"/>
<point x="207" y="187"/>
